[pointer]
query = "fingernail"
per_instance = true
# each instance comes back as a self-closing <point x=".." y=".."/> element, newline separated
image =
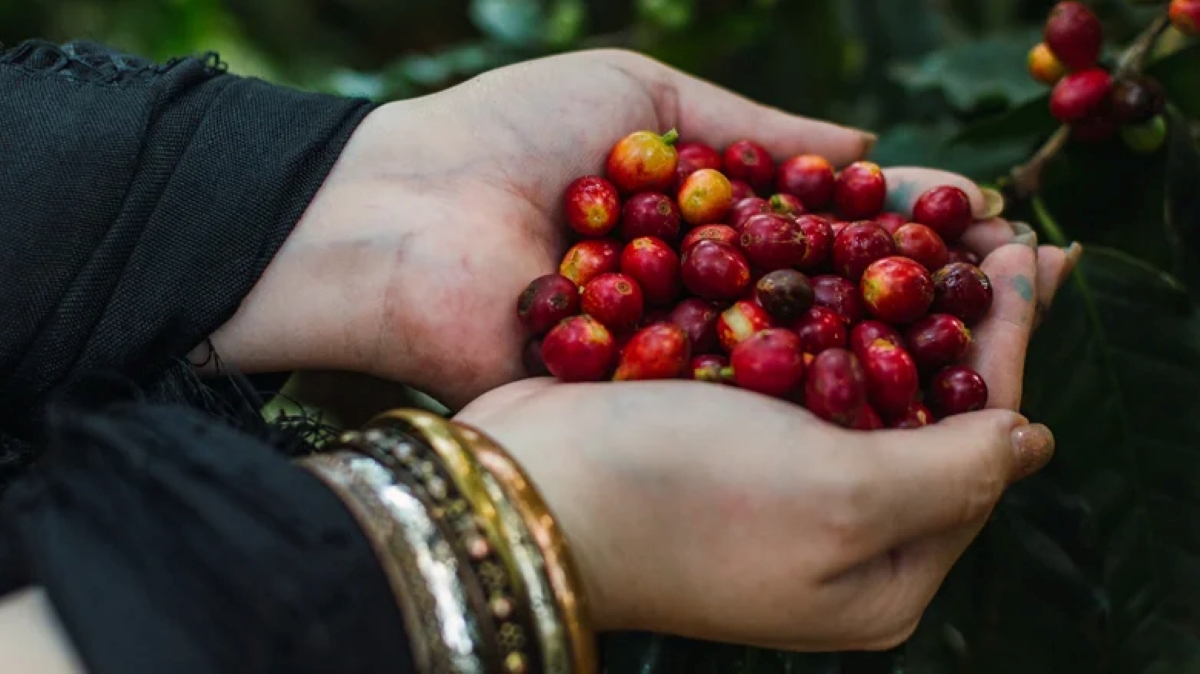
<point x="1024" y="235"/>
<point x="993" y="203"/>
<point x="1074" y="252"/>
<point x="870" y="140"/>
<point x="1033" y="446"/>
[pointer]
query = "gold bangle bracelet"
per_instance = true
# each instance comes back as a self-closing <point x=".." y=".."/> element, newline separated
<point x="563" y="574"/>
<point x="505" y="533"/>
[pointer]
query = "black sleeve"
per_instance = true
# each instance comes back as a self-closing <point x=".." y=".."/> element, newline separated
<point x="139" y="204"/>
<point x="168" y="543"/>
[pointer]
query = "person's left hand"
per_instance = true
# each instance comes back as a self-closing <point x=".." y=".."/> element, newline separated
<point x="408" y="263"/>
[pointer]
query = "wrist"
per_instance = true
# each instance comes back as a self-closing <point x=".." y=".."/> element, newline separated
<point x="321" y="302"/>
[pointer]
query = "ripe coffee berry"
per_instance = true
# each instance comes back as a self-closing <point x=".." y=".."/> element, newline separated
<point x="836" y="387"/>
<point x="922" y="245"/>
<point x="858" y="245"/>
<point x="1137" y="100"/>
<point x="720" y="233"/>
<point x="860" y="191"/>
<point x="737" y="323"/>
<point x="819" y="237"/>
<point x="1044" y="66"/>
<point x="592" y="206"/>
<point x="839" y="295"/>
<point x="746" y="209"/>
<point x="891" y="222"/>
<point x="1074" y="34"/>
<point x="531" y="358"/>
<point x="750" y="162"/>
<point x="957" y="390"/>
<point x="693" y="157"/>
<point x="705" y="197"/>
<point x="588" y="259"/>
<point x="715" y="271"/>
<point x="897" y="290"/>
<point x="868" y="420"/>
<point x="809" y="177"/>
<point x="820" y="329"/>
<point x="741" y="190"/>
<point x="868" y="332"/>
<point x="769" y="362"/>
<point x="650" y="214"/>
<point x="786" y="204"/>
<point x="710" y="367"/>
<point x="546" y="301"/>
<point x="962" y="290"/>
<point x="916" y="416"/>
<point x="1097" y="127"/>
<point x="659" y="351"/>
<point x="938" y="340"/>
<point x="698" y="319"/>
<point x="785" y="293"/>
<point x="579" y="348"/>
<point x="644" y="161"/>
<point x="1080" y="94"/>
<point x="655" y="267"/>
<point x="892" y="379"/>
<point x="615" y="300"/>
<point x="961" y="254"/>
<point x="772" y="242"/>
<point x="1185" y="15"/>
<point x="946" y="210"/>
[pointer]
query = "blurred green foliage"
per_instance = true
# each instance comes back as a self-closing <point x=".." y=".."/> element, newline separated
<point x="1094" y="566"/>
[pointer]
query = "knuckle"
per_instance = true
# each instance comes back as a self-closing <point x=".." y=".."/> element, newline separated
<point x="845" y="514"/>
<point x="894" y="637"/>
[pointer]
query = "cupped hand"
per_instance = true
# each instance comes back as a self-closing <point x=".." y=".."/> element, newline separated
<point x="711" y="512"/>
<point x="408" y="263"/>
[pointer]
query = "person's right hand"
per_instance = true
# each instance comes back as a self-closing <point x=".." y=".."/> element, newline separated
<point x="711" y="512"/>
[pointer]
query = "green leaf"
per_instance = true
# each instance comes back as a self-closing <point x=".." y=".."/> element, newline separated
<point x="1092" y="565"/>
<point x="516" y="22"/>
<point x="1182" y="207"/>
<point x="976" y="72"/>
<point x="1115" y="372"/>
<point x="1022" y="123"/>
<point x="1179" y="75"/>
<point x="668" y="14"/>
<point x="926" y="145"/>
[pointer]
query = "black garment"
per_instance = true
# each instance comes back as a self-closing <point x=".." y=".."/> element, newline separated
<point x="139" y="203"/>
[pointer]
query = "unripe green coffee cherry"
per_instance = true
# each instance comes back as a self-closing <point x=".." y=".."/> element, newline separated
<point x="1147" y="137"/>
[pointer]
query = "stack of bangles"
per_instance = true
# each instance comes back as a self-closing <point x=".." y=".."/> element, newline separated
<point x="480" y="569"/>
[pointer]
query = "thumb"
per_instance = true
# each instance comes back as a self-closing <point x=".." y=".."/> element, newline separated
<point x="951" y="474"/>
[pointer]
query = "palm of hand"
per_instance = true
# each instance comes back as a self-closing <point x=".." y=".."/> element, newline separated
<point x="500" y="222"/>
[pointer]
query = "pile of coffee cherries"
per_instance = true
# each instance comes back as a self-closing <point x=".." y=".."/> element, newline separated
<point x="791" y="281"/>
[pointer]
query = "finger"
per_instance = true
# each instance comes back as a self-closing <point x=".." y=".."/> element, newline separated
<point x="707" y="112"/>
<point x="1002" y="337"/>
<point x="987" y="235"/>
<point x="906" y="184"/>
<point x="1054" y="268"/>
<point x="923" y="481"/>
<point x="882" y="598"/>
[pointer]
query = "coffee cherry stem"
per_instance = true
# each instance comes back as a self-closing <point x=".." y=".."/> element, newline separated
<point x="1133" y="59"/>
<point x="671" y="137"/>
<point x="1027" y="178"/>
